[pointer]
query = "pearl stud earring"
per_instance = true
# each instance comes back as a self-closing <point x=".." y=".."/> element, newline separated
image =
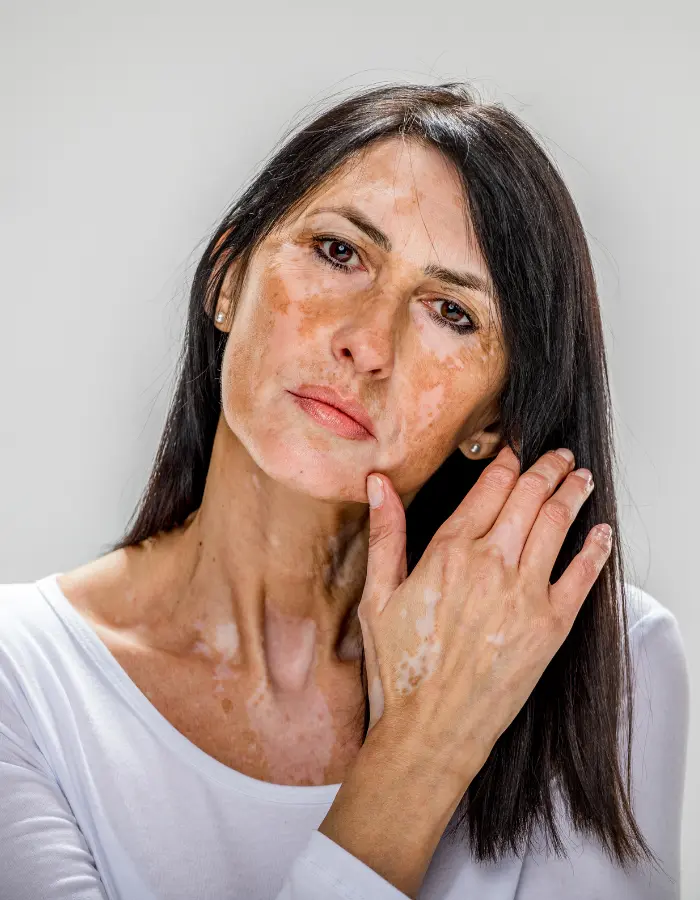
<point x="475" y="448"/>
<point x="220" y="317"/>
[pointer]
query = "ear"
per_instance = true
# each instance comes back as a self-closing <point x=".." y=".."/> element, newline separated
<point x="222" y="313"/>
<point x="225" y="303"/>
<point x="485" y="443"/>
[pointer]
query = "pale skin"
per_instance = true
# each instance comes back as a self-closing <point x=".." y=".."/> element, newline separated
<point x="243" y="626"/>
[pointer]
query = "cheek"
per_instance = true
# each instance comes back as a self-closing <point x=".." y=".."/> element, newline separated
<point x="442" y="387"/>
<point x="445" y="388"/>
<point x="262" y="357"/>
<point x="265" y="331"/>
<point x="437" y="343"/>
<point x="433" y="410"/>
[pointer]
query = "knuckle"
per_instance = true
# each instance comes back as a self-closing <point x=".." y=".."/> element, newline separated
<point x="558" y="513"/>
<point x="588" y="567"/>
<point x="559" y="463"/>
<point x="493" y="552"/>
<point x="379" y="534"/>
<point x="444" y="540"/>
<point x="534" y="483"/>
<point x="499" y="477"/>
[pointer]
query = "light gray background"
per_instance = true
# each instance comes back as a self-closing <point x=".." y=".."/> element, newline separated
<point x="126" y="129"/>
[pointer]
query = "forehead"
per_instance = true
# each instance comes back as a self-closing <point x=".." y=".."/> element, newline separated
<point x="413" y="192"/>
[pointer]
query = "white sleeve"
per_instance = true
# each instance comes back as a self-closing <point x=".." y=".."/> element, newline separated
<point x="43" y="853"/>
<point x="659" y="740"/>
<point x="326" y="871"/>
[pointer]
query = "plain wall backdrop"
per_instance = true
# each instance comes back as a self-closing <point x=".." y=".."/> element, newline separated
<point x="128" y="127"/>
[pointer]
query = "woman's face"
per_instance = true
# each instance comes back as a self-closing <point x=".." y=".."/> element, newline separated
<point x="325" y="303"/>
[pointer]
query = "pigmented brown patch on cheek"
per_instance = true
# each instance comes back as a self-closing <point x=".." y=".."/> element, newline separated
<point x="321" y="309"/>
<point x="277" y="299"/>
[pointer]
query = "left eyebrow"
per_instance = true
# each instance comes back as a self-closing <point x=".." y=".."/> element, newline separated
<point x="469" y="280"/>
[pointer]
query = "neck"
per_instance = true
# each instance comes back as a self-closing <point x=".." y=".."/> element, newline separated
<point x="268" y="577"/>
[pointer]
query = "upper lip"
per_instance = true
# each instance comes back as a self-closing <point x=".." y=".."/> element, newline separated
<point x="347" y="405"/>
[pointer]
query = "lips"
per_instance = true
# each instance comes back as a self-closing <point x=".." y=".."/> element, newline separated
<point x="347" y="405"/>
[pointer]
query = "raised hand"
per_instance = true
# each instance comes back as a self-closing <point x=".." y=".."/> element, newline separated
<point x="454" y="650"/>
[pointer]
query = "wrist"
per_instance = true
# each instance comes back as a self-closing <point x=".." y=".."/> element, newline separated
<point x="435" y="763"/>
<point x="393" y="807"/>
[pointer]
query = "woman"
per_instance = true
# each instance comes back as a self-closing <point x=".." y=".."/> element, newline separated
<point x="368" y="634"/>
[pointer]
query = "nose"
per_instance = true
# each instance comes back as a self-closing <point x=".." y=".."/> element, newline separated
<point x="368" y="337"/>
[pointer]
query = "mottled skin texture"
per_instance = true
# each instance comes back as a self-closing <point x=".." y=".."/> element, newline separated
<point x="241" y="626"/>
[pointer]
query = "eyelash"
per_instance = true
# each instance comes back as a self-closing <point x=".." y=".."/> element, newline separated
<point x="436" y="317"/>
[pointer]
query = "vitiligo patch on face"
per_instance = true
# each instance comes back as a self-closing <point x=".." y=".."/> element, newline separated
<point x="416" y="667"/>
<point x="428" y="406"/>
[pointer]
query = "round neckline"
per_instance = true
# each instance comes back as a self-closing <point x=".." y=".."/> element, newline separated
<point x="119" y="678"/>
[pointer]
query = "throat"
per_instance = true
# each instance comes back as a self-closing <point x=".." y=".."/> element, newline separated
<point x="290" y="650"/>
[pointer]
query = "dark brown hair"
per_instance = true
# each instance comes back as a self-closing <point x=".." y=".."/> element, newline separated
<point x="573" y="735"/>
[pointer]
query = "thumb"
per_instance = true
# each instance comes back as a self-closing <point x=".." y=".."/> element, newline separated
<point x="386" y="560"/>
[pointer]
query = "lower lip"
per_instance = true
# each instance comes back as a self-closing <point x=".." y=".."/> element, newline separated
<point x="333" y="419"/>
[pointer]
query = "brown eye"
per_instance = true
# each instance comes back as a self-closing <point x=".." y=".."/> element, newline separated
<point x="451" y="311"/>
<point x="340" y="252"/>
<point x="449" y="314"/>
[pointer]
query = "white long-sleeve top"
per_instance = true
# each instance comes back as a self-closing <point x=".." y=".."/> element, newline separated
<point x="101" y="797"/>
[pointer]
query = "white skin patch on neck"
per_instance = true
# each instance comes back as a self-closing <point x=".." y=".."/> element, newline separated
<point x="290" y="649"/>
<point x="295" y="732"/>
<point x="226" y="643"/>
<point x="224" y="648"/>
<point x="416" y="667"/>
<point x="226" y="640"/>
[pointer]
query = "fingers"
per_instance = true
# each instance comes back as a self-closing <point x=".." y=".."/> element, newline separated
<point x="478" y="511"/>
<point x="552" y="524"/>
<point x="386" y="560"/>
<point x="524" y="502"/>
<point x="567" y="594"/>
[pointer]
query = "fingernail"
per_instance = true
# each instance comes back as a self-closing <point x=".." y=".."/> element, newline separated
<point x="566" y="454"/>
<point x="604" y="533"/>
<point x="586" y="475"/>
<point x="375" y="491"/>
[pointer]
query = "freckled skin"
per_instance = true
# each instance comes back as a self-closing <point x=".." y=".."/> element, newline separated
<point x="368" y="333"/>
<point x="241" y="625"/>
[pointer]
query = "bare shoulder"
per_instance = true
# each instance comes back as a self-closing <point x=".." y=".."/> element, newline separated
<point x="98" y="589"/>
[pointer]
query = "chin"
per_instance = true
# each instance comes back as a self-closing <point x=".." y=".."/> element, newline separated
<point x="326" y="470"/>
